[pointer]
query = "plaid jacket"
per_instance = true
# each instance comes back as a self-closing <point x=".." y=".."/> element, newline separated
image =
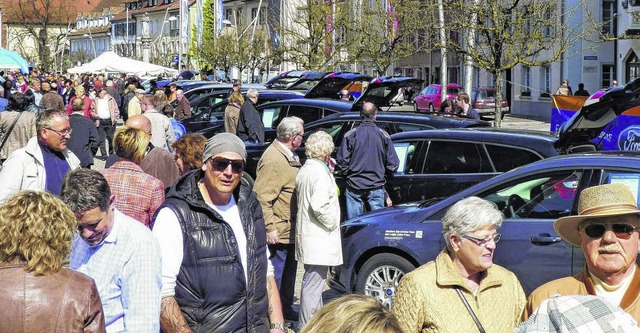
<point x="137" y="194"/>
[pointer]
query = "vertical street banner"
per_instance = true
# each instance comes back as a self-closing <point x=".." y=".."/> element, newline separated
<point x="184" y="25"/>
<point x="199" y="20"/>
<point x="219" y="16"/>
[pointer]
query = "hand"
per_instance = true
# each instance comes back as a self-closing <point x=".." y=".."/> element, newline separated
<point x="388" y="202"/>
<point x="273" y="237"/>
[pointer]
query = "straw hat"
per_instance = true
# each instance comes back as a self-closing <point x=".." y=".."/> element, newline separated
<point x="597" y="201"/>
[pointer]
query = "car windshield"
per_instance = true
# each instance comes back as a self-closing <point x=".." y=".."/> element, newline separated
<point x="484" y="94"/>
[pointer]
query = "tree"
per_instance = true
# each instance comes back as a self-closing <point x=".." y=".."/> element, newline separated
<point x="511" y="32"/>
<point x="44" y="22"/>
<point x="311" y="34"/>
<point x="386" y="31"/>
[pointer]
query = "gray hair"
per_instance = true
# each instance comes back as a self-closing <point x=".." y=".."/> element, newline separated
<point x="468" y="215"/>
<point x="45" y="120"/>
<point x="289" y="127"/>
<point x="368" y="110"/>
<point x="252" y="93"/>
<point x="84" y="189"/>
<point x="319" y="145"/>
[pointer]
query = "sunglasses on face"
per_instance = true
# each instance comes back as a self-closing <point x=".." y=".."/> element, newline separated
<point x="221" y="164"/>
<point x="622" y="230"/>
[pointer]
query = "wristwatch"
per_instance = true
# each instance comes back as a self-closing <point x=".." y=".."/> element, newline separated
<point x="278" y="326"/>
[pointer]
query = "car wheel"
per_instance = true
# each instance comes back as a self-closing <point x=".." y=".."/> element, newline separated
<point x="431" y="109"/>
<point x="380" y="275"/>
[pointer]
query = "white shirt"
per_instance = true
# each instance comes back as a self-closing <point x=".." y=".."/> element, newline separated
<point x="169" y="234"/>
<point x="613" y="294"/>
<point x="103" y="108"/>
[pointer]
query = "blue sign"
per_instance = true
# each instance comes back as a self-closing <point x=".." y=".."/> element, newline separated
<point x="174" y="59"/>
<point x="590" y="57"/>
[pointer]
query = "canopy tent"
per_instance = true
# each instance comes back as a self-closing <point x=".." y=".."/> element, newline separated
<point x="111" y="62"/>
<point x="12" y="60"/>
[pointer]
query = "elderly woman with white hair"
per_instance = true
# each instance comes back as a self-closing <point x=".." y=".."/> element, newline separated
<point x="462" y="290"/>
<point x="318" y="243"/>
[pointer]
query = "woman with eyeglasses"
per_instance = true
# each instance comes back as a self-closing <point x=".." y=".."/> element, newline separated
<point x="462" y="290"/>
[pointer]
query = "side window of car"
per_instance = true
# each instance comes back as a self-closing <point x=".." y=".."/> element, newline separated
<point x="632" y="180"/>
<point x="217" y="112"/>
<point x="447" y="157"/>
<point x="506" y="158"/>
<point x="271" y="116"/>
<point x="547" y="196"/>
<point x="400" y="127"/>
<point x="411" y="156"/>
<point x="307" y="114"/>
<point x="333" y="129"/>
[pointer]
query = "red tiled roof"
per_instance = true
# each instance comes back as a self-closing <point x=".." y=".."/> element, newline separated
<point x="60" y="11"/>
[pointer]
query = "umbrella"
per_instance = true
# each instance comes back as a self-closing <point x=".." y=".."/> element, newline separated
<point x="11" y="59"/>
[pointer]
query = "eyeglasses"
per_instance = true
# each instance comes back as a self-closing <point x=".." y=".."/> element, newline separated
<point x="484" y="241"/>
<point x="299" y="134"/>
<point x="64" y="133"/>
<point x="597" y="230"/>
<point x="221" y="164"/>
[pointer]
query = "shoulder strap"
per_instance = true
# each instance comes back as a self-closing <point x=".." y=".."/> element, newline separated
<point x="473" y="314"/>
<point x="6" y="136"/>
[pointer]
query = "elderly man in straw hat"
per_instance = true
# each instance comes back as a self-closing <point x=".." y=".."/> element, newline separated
<point x="606" y="228"/>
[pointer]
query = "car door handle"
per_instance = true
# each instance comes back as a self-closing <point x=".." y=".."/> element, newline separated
<point x="545" y="239"/>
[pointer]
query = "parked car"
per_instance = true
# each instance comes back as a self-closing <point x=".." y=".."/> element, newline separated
<point x="483" y="100"/>
<point x="339" y="123"/>
<point x="222" y="88"/>
<point x="439" y="163"/>
<point x="208" y="109"/>
<point x="295" y="80"/>
<point x="381" y="246"/>
<point x="429" y="97"/>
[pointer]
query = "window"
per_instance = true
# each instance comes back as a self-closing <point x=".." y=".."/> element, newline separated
<point x="545" y="76"/>
<point x="333" y="129"/>
<point x="608" y="15"/>
<point x="548" y="28"/>
<point x="507" y="158"/>
<point x="526" y="81"/>
<point x="446" y="157"/>
<point x="307" y="114"/>
<point x="633" y="67"/>
<point x="228" y="14"/>
<point x="411" y="155"/>
<point x="608" y="75"/>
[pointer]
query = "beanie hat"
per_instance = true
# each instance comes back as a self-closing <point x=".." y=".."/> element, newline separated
<point x="224" y="143"/>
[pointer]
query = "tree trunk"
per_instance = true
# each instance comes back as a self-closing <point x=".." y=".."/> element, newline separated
<point x="497" y="119"/>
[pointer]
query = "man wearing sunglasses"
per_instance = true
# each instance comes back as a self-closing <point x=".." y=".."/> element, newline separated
<point x="44" y="161"/>
<point x="213" y="244"/>
<point x="606" y="228"/>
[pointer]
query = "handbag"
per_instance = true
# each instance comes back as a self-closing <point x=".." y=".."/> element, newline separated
<point x="473" y="314"/>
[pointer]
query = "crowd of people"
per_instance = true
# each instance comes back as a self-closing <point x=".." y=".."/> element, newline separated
<point x="173" y="235"/>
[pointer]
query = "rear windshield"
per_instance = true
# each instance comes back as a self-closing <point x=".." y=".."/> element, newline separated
<point x="484" y="94"/>
<point x="453" y="91"/>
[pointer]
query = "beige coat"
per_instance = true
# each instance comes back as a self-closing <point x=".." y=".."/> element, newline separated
<point x="581" y="284"/>
<point x="426" y="299"/>
<point x="318" y="239"/>
<point x="24" y="169"/>
<point x="275" y="186"/>
<point x="231" y="115"/>
<point x="24" y="130"/>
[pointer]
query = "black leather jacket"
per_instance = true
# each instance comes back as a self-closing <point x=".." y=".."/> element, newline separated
<point x="210" y="287"/>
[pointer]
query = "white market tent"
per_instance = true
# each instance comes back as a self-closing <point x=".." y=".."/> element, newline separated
<point x="111" y="62"/>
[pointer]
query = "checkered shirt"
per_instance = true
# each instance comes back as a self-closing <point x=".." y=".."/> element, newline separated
<point x="578" y="314"/>
<point x="126" y="267"/>
<point x="137" y="193"/>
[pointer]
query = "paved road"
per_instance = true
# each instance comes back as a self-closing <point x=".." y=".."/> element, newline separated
<point x="508" y="122"/>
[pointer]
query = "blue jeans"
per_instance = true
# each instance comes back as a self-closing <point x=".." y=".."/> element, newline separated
<point x="361" y="201"/>
<point x="285" y="266"/>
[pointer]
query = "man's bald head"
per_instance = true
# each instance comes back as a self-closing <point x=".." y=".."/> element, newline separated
<point x="140" y="122"/>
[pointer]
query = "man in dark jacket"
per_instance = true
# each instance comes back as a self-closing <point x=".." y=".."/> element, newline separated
<point x="84" y="139"/>
<point x="126" y="98"/>
<point x="365" y="156"/>
<point x="250" y="127"/>
<point x="213" y="246"/>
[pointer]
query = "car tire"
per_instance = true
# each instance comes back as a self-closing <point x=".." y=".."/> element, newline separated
<point x="431" y="108"/>
<point x="380" y="275"/>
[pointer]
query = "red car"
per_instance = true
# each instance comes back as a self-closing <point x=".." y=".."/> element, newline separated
<point x="483" y="100"/>
<point x="429" y="97"/>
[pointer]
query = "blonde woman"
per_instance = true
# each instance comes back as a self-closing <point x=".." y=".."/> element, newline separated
<point x="353" y="313"/>
<point x="36" y="293"/>
<point x="232" y="112"/>
<point x="88" y="102"/>
<point x="137" y="194"/>
<point x="318" y="243"/>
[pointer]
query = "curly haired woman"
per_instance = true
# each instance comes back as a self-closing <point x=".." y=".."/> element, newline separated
<point x="36" y="293"/>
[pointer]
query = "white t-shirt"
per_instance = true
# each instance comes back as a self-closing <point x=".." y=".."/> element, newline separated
<point x="169" y="234"/>
<point x="103" y="108"/>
